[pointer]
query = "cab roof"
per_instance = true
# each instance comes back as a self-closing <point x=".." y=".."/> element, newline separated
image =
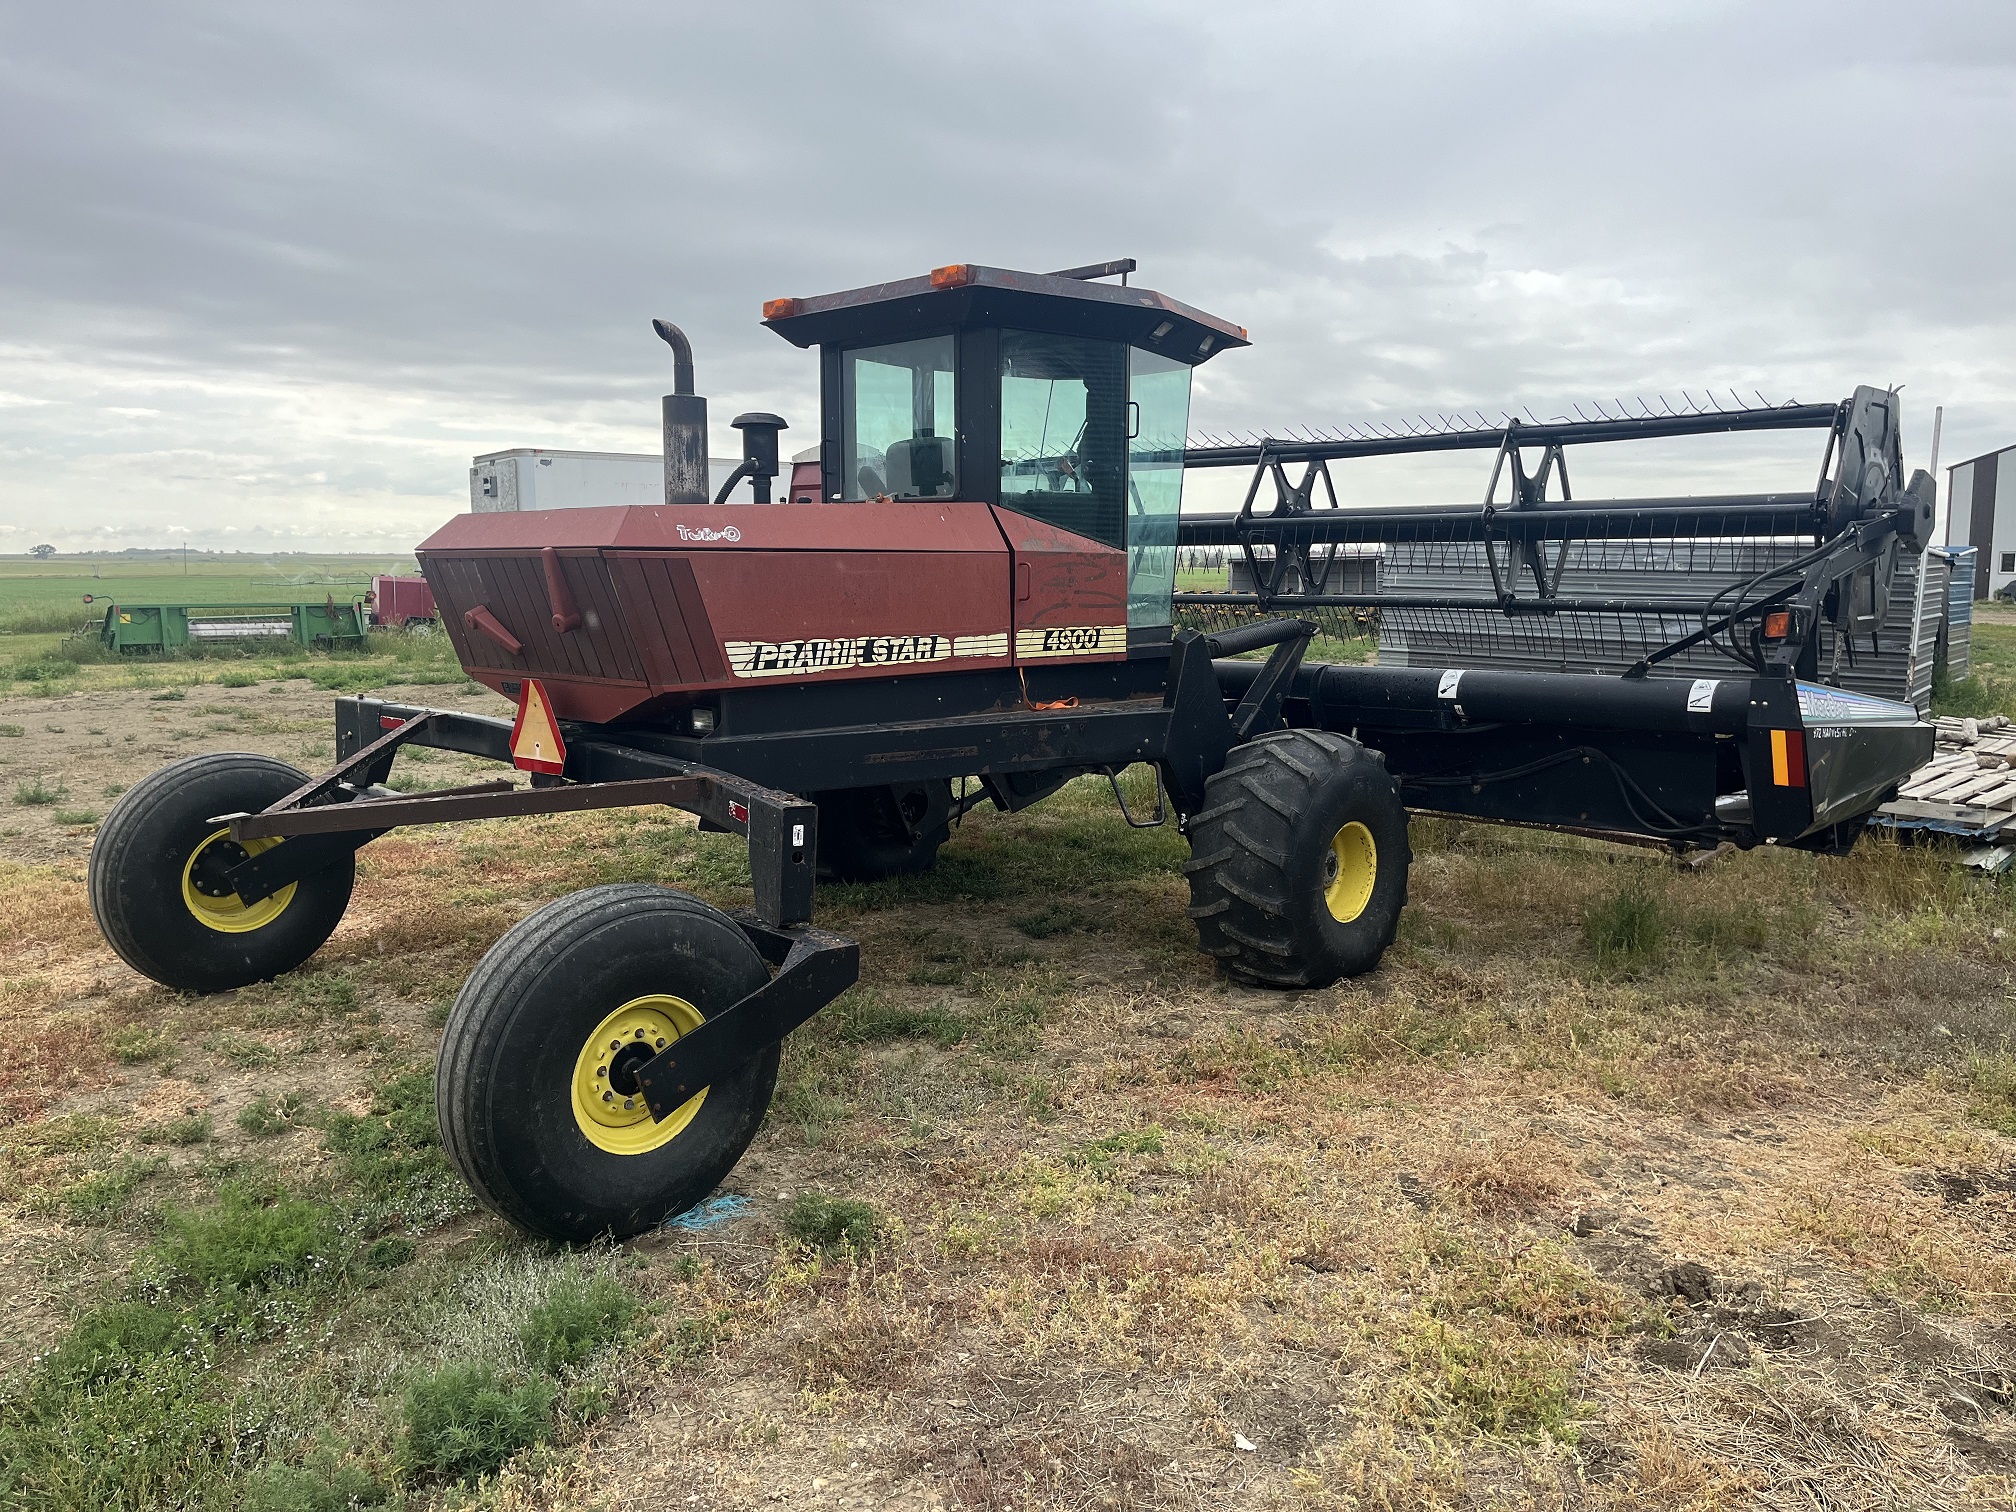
<point x="968" y="295"/>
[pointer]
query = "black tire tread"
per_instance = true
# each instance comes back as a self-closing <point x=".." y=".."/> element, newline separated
<point x="1250" y="834"/>
<point x="472" y="1038"/>
<point x="113" y="857"/>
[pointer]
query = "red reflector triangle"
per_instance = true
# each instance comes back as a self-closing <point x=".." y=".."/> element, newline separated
<point x="536" y="745"/>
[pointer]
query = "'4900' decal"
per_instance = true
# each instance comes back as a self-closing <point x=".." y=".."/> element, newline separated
<point x="1071" y="640"/>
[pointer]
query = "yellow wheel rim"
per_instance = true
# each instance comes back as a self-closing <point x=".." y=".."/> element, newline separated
<point x="607" y="1104"/>
<point x="215" y="906"/>
<point x="1349" y="872"/>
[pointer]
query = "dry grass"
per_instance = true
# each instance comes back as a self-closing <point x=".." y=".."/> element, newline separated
<point x="1719" y="1218"/>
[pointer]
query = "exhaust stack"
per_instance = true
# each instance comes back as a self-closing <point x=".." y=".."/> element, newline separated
<point x="685" y="423"/>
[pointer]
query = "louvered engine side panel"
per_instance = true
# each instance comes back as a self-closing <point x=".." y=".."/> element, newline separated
<point x="513" y="589"/>
<point x="659" y="598"/>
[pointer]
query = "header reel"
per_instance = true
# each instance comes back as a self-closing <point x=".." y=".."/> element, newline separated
<point x="1858" y="515"/>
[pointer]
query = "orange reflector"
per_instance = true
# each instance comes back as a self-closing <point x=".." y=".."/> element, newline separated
<point x="952" y="276"/>
<point x="779" y="309"/>
<point x="1788" y="758"/>
<point x="1778" y="624"/>
<point x="535" y="734"/>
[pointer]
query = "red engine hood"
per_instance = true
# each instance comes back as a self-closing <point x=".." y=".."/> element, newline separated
<point x="623" y="611"/>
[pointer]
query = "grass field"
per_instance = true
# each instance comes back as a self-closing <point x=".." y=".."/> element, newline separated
<point x="49" y="596"/>
<point x="1621" y="1184"/>
<point x="45" y="661"/>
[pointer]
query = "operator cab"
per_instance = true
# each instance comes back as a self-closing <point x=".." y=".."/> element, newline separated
<point x="1047" y="394"/>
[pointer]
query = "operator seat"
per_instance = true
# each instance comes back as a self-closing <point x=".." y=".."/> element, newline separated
<point x="920" y="468"/>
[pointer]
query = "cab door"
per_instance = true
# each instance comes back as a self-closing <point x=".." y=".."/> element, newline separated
<point x="1070" y="593"/>
<point x="1092" y="438"/>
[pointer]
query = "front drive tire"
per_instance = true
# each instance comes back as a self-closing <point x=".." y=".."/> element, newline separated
<point x="538" y="1106"/>
<point x="155" y="873"/>
<point x="1299" y="858"/>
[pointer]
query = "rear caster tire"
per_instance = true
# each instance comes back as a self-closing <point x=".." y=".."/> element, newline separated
<point x="536" y="1083"/>
<point x="866" y="834"/>
<point x="1299" y="858"/>
<point x="156" y="888"/>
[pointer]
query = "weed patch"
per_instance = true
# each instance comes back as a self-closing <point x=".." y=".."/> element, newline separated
<point x="248" y="1241"/>
<point x="322" y="994"/>
<point x="263" y="1117"/>
<point x="112" y="1339"/>
<point x="1973" y="697"/>
<point x="146" y="1436"/>
<point x="577" y="1317"/>
<point x="240" y="1050"/>
<point x="464" y="1421"/>
<point x="1103" y="1156"/>
<point x="193" y="1130"/>
<point x="863" y="1016"/>
<point x="1013" y="1008"/>
<point x="1627" y="932"/>
<point x="1488" y="1379"/>
<point x="36" y="793"/>
<point x="835" y="1225"/>
<point x="327" y="1483"/>
<point x="1050" y="920"/>
<point x="1536" y="1286"/>
<point x="104" y="1195"/>
<point x="392" y="1154"/>
<point x="389" y="1252"/>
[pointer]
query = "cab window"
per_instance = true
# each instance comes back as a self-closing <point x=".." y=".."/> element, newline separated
<point x="1160" y="413"/>
<point x="898" y="407"/>
<point x="1064" y="432"/>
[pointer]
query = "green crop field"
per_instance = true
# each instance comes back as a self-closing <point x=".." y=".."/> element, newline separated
<point x="42" y="604"/>
<point x="41" y="597"/>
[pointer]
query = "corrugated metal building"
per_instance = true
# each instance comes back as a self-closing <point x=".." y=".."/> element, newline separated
<point x="1981" y="512"/>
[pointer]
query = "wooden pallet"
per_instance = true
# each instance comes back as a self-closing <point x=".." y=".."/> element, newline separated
<point x="1966" y="791"/>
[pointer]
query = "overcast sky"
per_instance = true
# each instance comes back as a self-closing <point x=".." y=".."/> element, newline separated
<point x="271" y="274"/>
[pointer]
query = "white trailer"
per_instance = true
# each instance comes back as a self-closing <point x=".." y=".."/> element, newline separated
<point x="534" y="477"/>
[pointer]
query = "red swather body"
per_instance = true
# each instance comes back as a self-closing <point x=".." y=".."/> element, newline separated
<point x="663" y="602"/>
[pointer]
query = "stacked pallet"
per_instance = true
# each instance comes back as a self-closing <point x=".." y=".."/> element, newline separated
<point x="1966" y="792"/>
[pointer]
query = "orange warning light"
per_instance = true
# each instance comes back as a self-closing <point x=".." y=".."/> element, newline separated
<point x="1778" y="624"/>
<point x="779" y="309"/>
<point x="536" y="745"/>
<point x="952" y="276"/>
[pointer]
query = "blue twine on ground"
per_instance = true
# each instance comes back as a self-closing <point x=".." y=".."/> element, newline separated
<point x="715" y="1210"/>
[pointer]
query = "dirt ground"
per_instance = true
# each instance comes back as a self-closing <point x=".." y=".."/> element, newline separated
<point x="1712" y="1209"/>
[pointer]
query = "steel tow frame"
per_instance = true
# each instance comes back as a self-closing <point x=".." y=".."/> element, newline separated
<point x="345" y="808"/>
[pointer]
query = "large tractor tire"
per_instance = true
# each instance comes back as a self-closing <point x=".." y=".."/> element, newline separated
<point x="536" y="1086"/>
<point x="157" y="869"/>
<point x="1299" y="859"/>
<point x="866" y="834"/>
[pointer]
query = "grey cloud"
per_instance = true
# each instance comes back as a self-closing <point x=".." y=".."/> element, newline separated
<point x="363" y="242"/>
